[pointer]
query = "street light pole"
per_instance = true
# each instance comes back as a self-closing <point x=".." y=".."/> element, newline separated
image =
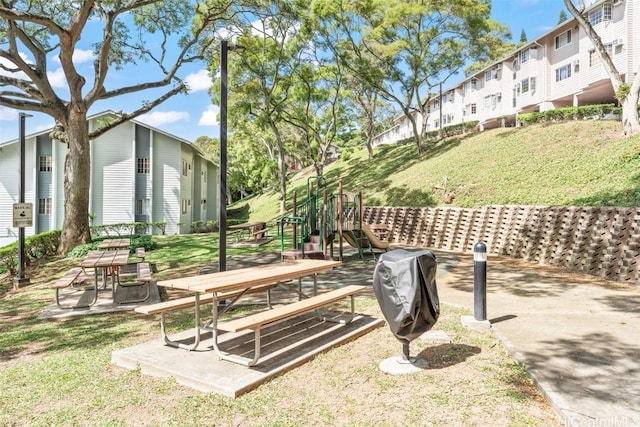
<point x="21" y="250"/>
<point x="222" y="260"/>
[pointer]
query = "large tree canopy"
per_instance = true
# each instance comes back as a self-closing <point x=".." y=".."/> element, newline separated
<point x="121" y="33"/>
<point x="405" y="49"/>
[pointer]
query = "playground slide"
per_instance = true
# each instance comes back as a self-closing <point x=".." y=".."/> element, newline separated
<point x="373" y="239"/>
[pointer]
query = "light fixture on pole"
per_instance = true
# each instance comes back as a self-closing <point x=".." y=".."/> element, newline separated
<point x="224" y="50"/>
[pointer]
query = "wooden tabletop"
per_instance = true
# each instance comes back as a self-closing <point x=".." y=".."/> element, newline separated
<point x="248" y="277"/>
<point x="114" y="244"/>
<point x="95" y="259"/>
<point x="244" y="225"/>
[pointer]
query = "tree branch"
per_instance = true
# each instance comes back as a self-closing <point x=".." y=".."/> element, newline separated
<point x="144" y="109"/>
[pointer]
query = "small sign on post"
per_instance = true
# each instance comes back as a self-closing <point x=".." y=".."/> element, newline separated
<point x="22" y="214"/>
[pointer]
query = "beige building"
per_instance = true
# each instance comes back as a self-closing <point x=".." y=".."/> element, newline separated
<point x="558" y="69"/>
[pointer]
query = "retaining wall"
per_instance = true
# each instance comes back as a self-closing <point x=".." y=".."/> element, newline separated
<point x="603" y="242"/>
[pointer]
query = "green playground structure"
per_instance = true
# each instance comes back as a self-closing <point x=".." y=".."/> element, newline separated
<point x="317" y="220"/>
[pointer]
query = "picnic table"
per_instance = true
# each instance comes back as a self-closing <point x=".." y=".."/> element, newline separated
<point x="249" y="229"/>
<point x="111" y="244"/>
<point x="106" y="261"/>
<point x="221" y="284"/>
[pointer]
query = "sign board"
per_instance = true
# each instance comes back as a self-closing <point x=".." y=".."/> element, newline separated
<point x="23" y="214"/>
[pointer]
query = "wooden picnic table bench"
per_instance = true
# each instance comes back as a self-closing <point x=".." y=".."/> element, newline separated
<point x="189" y="302"/>
<point x="71" y="277"/>
<point x="143" y="280"/>
<point x="256" y="321"/>
<point x="141" y="253"/>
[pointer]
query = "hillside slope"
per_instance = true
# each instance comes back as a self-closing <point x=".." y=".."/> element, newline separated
<point x="584" y="163"/>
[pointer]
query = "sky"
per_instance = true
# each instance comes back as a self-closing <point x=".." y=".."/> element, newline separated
<point x="192" y="115"/>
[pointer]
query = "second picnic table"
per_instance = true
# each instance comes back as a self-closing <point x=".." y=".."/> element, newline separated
<point x="104" y="260"/>
<point x="109" y="244"/>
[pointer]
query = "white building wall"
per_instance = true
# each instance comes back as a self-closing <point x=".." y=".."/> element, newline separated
<point x="59" y="152"/>
<point x="186" y="189"/>
<point x="112" y="176"/>
<point x="9" y="181"/>
<point x="166" y="182"/>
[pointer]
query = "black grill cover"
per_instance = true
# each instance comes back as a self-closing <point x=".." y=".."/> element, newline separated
<point x="405" y="285"/>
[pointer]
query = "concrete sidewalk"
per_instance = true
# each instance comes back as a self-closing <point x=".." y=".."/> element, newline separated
<point x="577" y="335"/>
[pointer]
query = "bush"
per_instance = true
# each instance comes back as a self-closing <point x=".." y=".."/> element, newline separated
<point x="586" y="112"/>
<point x="35" y="247"/>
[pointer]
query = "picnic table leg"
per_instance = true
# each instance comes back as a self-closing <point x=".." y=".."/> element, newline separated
<point x="352" y="315"/>
<point x="226" y="356"/>
<point x="197" y="330"/>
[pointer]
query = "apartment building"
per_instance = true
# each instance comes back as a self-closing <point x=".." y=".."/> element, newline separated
<point x="138" y="174"/>
<point x="558" y="69"/>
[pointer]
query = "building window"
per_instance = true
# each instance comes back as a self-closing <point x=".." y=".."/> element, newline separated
<point x="606" y="12"/>
<point x="184" y="206"/>
<point x="532" y="84"/>
<point x="594" y="57"/>
<point x="524" y="56"/>
<point x="474" y="109"/>
<point x="563" y="39"/>
<point x="142" y="206"/>
<point x="44" y="206"/>
<point x="524" y="85"/>
<point x="563" y="73"/>
<point x="143" y="165"/>
<point x="186" y="167"/>
<point x="600" y="14"/>
<point x="45" y="163"/>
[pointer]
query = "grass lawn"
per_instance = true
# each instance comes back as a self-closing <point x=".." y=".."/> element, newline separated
<point x="59" y="372"/>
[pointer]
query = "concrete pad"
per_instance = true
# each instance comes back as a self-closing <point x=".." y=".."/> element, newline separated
<point x="435" y="337"/>
<point x="285" y="345"/>
<point x="104" y="304"/>
<point x="399" y="366"/>
<point x="251" y="243"/>
<point x="470" y="322"/>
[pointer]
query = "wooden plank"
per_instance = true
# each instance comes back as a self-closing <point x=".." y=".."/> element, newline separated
<point x="67" y="279"/>
<point x="248" y="277"/>
<point x="185" y="302"/>
<point x="144" y="272"/>
<point x="263" y="318"/>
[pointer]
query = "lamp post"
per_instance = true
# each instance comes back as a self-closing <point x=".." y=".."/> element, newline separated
<point x="224" y="50"/>
<point x="21" y="250"/>
<point x="222" y="223"/>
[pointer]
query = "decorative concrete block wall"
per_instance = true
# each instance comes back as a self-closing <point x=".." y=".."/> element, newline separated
<point x="603" y="242"/>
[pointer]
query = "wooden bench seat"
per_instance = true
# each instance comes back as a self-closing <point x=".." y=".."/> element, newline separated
<point x="143" y="280"/>
<point x="179" y="303"/>
<point x="74" y="275"/>
<point x="186" y="302"/>
<point x="141" y="253"/>
<point x="256" y="321"/>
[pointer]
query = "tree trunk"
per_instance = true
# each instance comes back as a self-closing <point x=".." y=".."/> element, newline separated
<point x="77" y="177"/>
<point x="282" y="167"/>
<point x="370" y="149"/>
<point x="630" y="118"/>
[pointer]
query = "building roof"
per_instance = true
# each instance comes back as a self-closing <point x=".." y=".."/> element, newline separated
<point x="108" y="113"/>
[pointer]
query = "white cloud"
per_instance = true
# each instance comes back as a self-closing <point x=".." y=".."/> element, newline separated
<point x="199" y="81"/>
<point x="57" y="78"/>
<point x="79" y="56"/>
<point x="6" y="63"/>
<point x="158" y="118"/>
<point x="8" y="114"/>
<point x="210" y="116"/>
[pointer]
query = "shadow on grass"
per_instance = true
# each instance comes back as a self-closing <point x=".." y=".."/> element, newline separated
<point x="445" y="355"/>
